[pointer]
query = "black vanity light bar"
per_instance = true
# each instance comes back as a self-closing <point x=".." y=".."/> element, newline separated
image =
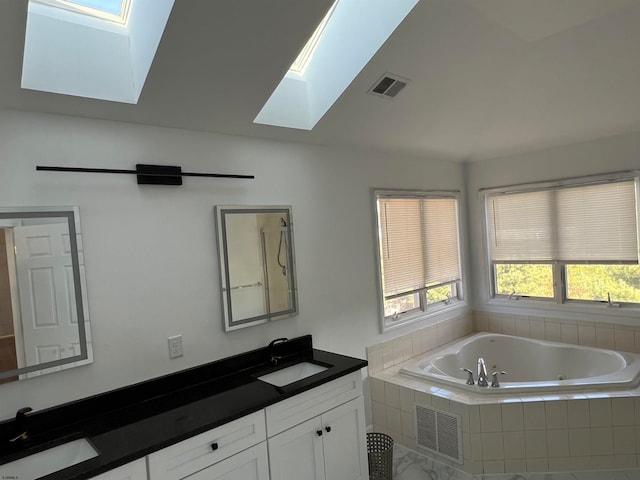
<point x="147" y="174"/>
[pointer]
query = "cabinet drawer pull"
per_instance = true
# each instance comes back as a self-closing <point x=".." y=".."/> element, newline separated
<point x="214" y="446"/>
<point x="327" y="428"/>
<point x="319" y="432"/>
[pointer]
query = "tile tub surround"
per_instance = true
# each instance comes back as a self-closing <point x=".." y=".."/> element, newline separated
<point x="612" y="336"/>
<point x="410" y="465"/>
<point x="512" y="435"/>
<point x="542" y="433"/>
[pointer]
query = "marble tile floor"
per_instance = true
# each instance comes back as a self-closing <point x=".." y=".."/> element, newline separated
<point x="410" y="465"/>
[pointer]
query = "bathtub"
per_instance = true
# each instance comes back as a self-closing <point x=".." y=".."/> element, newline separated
<point x="531" y="365"/>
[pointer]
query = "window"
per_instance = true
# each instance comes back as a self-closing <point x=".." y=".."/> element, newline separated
<point x="111" y="10"/>
<point x="419" y="254"/>
<point x="303" y="58"/>
<point x="575" y="241"/>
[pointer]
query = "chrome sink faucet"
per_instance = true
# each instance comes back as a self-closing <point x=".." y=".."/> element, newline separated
<point x="482" y="373"/>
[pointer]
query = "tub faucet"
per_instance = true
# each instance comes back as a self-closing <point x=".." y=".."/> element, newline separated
<point x="469" y="376"/>
<point x="494" y="382"/>
<point x="482" y="373"/>
<point x="21" y="429"/>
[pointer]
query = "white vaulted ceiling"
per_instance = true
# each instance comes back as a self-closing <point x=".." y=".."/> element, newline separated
<point x="487" y="77"/>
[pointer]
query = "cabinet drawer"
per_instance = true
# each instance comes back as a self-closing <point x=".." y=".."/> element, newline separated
<point x="194" y="454"/>
<point x="252" y="464"/>
<point x="311" y="403"/>
<point x="136" y="470"/>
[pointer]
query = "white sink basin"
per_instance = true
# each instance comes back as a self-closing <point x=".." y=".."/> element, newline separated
<point x="285" y="376"/>
<point x="49" y="461"/>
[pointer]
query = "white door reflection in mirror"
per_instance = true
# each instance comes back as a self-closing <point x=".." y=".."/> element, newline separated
<point x="43" y="323"/>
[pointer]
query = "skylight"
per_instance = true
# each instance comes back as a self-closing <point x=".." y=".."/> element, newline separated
<point x="112" y="10"/>
<point x="303" y="58"/>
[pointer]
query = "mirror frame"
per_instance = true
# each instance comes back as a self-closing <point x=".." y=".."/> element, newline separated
<point x="221" y="211"/>
<point x="73" y="223"/>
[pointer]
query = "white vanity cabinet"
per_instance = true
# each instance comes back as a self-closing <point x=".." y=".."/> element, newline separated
<point x="235" y="450"/>
<point x="319" y="434"/>
<point x="136" y="470"/>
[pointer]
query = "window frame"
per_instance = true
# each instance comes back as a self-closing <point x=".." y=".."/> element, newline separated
<point x="424" y="310"/>
<point x="560" y="297"/>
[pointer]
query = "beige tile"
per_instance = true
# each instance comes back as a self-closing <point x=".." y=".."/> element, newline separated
<point x="604" y="337"/>
<point x="490" y="418"/>
<point x="508" y="325"/>
<point x="602" y="441"/>
<point x="534" y="416"/>
<point x="562" y="464"/>
<point x="379" y="412"/>
<point x="495" y="466"/>
<point x="394" y="420"/>
<point x="578" y="413"/>
<point x="423" y="398"/>
<point x="636" y="408"/>
<point x="623" y="411"/>
<point x="377" y="390"/>
<point x="536" y="327"/>
<point x="476" y="446"/>
<point x="515" y="465"/>
<point x="624" y="339"/>
<point x="587" y="335"/>
<point x="481" y="322"/>
<point x="441" y="403"/>
<point x="536" y="443"/>
<point x="556" y="414"/>
<point x="379" y="428"/>
<point x="410" y="443"/>
<point x="472" y="468"/>
<point x="495" y="323"/>
<point x="624" y="461"/>
<point x="512" y="417"/>
<point x="552" y="331"/>
<point x="492" y="446"/>
<point x="392" y="395"/>
<point x="537" y="465"/>
<point x="407" y="399"/>
<point x="466" y="445"/>
<point x="522" y="328"/>
<point x="601" y="462"/>
<point x="580" y="442"/>
<point x="569" y="333"/>
<point x="462" y="410"/>
<point x="374" y="357"/>
<point x="600" y="412"/>
<point x="514" y="446"/>
<point x="636" y="336"/>
<point x="558" y="443"/>
<point x="624" y="440"/>
<point x="474" y="419"/>
<point x="408" y="425"/>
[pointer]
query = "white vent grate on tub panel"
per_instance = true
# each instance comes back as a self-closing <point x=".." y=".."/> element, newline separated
<point x="439" y="432"/>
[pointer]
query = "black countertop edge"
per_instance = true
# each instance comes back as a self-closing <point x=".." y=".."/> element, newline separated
<point x="127" y="424"/>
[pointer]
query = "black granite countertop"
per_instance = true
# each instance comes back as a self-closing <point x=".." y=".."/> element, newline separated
<point x="131" y="422"/>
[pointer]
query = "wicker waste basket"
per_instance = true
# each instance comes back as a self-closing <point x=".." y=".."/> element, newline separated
<point x="380" y="454"/>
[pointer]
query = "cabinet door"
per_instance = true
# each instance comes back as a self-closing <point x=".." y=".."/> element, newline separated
<point x="296" y="454"/>
<point x="136" y="470"/>
<point x="252" y="464"/>
<point x="344" y="442"/>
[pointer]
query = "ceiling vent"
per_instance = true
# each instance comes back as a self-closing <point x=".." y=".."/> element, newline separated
<point x="389" y="85"/>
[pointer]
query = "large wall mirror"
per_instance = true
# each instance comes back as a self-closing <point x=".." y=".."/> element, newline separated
<point x="257" y="264"/>
<point x="43" y="305"/>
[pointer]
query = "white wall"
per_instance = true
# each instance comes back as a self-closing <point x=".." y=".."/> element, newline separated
<point x="150" y="254"/>
<point x="611" y="154"/>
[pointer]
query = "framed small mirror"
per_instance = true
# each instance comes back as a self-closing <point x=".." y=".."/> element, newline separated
<point x="43" y="306"/>
<point x="257" y="264"/>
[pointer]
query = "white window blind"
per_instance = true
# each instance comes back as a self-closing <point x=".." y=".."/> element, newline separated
<point x="419" y="243"/>
<point x="575" y="224"/>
